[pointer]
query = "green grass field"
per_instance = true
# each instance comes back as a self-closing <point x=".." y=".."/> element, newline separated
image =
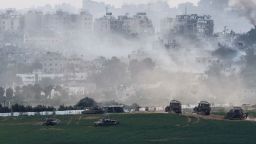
<point x="134" y="129"/>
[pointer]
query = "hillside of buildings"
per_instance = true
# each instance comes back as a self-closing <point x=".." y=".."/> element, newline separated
<point x="129" y="54"/>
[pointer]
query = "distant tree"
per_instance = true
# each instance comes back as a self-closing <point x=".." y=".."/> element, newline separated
<point x="86" y="102"/>
<point x="18" y="108"/>
<point x="29" y="109"/>
<point x="2" y="91"/>
<point x="63" y="108"/>
<point x="40" y="108"/>
<point x="9" y="93"/>
<point x="4" y="109"/>
<point x="135" y="106"/>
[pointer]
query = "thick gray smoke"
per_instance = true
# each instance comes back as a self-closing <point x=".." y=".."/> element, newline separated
<point x="192" y="71"/>
<point x="246" y="8"/>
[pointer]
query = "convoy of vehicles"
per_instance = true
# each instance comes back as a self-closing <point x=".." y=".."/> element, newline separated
<point x="203" y="108"/>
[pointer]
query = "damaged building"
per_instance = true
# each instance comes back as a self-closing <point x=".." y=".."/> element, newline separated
<point x="136" y="25"/>
<point x="188" y="25"/>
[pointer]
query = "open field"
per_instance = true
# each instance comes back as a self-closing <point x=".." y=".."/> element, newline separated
<point x="134" y="129"/>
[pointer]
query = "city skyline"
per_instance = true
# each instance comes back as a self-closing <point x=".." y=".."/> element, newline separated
<point x="78" y="3"/>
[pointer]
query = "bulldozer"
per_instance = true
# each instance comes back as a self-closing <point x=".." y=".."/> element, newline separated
<point x="237" y="113"/>
<point x="174" y="107"/>
<point x="203" y="108"/>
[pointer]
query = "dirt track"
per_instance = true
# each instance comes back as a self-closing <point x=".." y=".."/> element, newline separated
<point x="210" y="117"/>
<point x="217" y="117"/>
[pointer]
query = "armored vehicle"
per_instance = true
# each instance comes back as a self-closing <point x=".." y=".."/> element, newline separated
<point x="51" y="122"/>
<point x="93" y="110"/>
<point x="237" y="113"/>
<point x="106" y="122"/>
<point x="174" y="107"/>
<point x="203" y="108"/>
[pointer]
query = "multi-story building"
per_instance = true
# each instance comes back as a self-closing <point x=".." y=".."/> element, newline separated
<point x="104" y="24"/>
<point x="86" y="21"/>
<point x="137" y="25"/>
<point x="205" y="25"/>
<point x="38" y="21"/>
<point x="188" y="25"/>
<point x="34" y="78"/>
<point x="53" y="63"/>
<point x="10" y="21"/>
<point x="60" y="21"/>
<point x="142" y="24"/>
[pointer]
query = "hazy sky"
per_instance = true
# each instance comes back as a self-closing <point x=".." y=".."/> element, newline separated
<point x="19" y="4"/>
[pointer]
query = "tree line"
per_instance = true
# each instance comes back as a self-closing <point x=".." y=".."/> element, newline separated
<point x="22" y="108"/>
<point x="81" y="105"/>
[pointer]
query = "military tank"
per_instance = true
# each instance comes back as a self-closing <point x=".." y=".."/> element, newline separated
<point x="237" y="113"/>
<point x="174" y="107"/>
<point x="203" y="108"/>
<point x="51" y="122"/>
<point x="106" y="122"/>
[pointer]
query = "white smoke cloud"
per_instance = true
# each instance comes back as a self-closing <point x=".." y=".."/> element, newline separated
<point x="246" y="8"/>
<point x="172" y="3"/>
<point x="21" y="4"/>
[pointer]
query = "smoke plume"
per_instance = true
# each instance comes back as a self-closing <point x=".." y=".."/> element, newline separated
<point x="246" y="8"/>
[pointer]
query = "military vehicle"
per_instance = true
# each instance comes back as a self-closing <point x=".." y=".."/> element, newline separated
<point x="174" y="107"/>
<point x="237" y="113"/>
<point x="51" y="122"/>
<point x="106" y="122"/>
<point x="203" y="108"/>
<point x="93" y="110"/>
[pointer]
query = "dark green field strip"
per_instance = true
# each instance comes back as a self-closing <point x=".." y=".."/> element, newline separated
<point x="134" y="129"/>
